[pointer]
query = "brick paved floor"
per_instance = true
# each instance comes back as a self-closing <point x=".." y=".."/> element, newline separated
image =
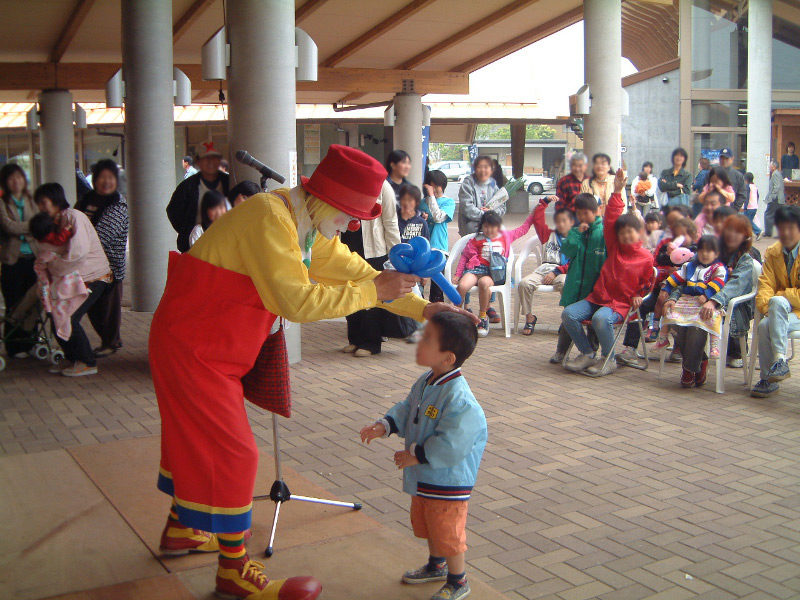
<point x="621" y="487"/>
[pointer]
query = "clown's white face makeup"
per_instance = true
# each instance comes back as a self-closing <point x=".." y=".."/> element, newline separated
<point x="332" y="226"/>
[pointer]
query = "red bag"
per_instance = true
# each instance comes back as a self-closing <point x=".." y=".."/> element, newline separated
<point x="267" y="384"/>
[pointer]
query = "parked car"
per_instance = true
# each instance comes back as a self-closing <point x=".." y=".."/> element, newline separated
<point x="454" y="170"/>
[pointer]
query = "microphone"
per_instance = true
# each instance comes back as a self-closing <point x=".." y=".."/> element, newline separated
<point x="244" y="157"/>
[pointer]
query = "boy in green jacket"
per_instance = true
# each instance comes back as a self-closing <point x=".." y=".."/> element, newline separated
<point x="585" y="248"/>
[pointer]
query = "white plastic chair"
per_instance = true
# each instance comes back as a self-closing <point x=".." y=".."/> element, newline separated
<point x="722" y="361"/>
<point x="751" y="358"/>
<point x="504" y="291"/>
<point x="533" y="246"/>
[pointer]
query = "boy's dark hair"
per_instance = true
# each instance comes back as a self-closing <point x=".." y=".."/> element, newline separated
<point x="563" y="211"/>
<point x="708" y="242"/>
<point x="41" y="225"/>
<point x="490" y="218"/>
<point x="712" y="193"/>
<point x="684" y="210"/>
<point x="457" y="334"/>
<point x="55" y="192"/>
<point x="723" y="212"/>
<point x="395" y="156"/>
<point x="245" y="188"/>
<point x="749" y="177"/>
<point x="408" y="189"/>
<point x="105" y="164"/>
<point x="211" y="199"/>
<point x="188" y="160"/>
<point x="788" y="214"/>
<point x="436" y="178"/>
<point x="586" y="202"/>
<point x="627" y="220"/>
<point x="653" y="217"/>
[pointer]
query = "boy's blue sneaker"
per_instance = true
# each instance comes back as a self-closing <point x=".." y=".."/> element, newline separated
<point x="778" y="371"/>
<point x="452" y="592"/>
<point x="764" y="389"/>
<point x="425" y="574"/>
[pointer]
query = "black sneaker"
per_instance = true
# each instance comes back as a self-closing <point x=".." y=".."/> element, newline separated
<point x="764" y="388"/>
<point x="778" y="371"/>
<point x="425" y="575"/>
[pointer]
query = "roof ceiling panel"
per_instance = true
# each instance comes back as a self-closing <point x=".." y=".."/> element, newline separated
<point x="99" y="38"/>
<point x="28" y="32"/>
<point x="187" y="47"/>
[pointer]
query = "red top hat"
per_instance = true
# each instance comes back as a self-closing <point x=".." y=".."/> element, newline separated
<point x="349" y="180"/>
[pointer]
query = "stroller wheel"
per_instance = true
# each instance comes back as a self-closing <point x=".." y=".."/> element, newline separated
<point x="2" y="363"/>
<point x="56" y="357"/>
<point x="41" y="351"/>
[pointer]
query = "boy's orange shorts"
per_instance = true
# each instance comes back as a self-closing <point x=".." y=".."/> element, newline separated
<point x="442" y="522"/>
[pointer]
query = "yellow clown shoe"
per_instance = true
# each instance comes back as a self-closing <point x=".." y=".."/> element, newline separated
<point x="242" y="578"/>
<point x="177" y="540"/>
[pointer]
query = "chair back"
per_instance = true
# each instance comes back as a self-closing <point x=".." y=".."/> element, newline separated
<point x="533" y="245"/>
<point x="455" y="255"/>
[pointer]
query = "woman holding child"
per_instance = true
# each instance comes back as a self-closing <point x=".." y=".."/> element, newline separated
<point x="81" y="252"/>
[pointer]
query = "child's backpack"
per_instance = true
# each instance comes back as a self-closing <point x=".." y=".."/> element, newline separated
<point x="498" y="265"/>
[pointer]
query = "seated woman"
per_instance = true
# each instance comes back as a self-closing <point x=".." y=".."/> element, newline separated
<point x="474" y="264"/>
<point x="82" y="253"/>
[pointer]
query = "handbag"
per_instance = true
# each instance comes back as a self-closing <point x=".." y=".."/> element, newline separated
<point x="267" y="384"/>
<point x="498" y="265"/>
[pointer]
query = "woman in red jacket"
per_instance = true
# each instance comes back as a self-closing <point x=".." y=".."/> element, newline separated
<point x="625" y="274"/>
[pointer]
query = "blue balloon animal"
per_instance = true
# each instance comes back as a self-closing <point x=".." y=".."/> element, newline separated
<point x="417" y="258"/>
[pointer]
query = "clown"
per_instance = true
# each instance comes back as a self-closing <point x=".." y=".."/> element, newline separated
<point x="220" y="305"/>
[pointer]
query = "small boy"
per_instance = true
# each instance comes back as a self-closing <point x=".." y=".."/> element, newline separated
<point x="553" y="269"/>
<point x="722" y="213"/>
<point x="625" y="274"/>
<point x="409" y="220"/>
<point x="439" y="210"/>
<point x="445" y="433"/>
<point x="585" y="248"/>
<point x="652" y="230"/>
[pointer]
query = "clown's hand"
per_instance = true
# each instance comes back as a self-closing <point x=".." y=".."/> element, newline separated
<point x="437" y="307"/>
<point x="391" y="285"/>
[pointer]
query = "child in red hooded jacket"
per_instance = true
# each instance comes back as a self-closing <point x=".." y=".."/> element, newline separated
<point x="625" y="276"/>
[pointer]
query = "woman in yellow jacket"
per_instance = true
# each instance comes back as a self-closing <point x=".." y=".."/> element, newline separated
<point x="778" y="299"/>
<point x="254" y="265"/>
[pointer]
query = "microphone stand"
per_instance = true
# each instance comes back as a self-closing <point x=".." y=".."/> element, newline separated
<point x="279" y="493"/>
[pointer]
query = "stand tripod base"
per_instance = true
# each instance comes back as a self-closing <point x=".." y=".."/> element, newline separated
<point x="279" y="493"/>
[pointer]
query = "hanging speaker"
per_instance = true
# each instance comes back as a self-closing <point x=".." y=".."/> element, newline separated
<point x="307" y="59"/>
<point x="79" y="116"/>
<point x="214" y="57"/>
<point x="115" y="91"/>
<point x="183" y="88"/>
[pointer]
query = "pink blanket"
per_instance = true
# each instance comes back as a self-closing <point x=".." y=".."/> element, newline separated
<point x="62" y="295"/>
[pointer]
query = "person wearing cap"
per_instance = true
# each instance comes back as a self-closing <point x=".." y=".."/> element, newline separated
<point x="736" y="178"/>
<point x="183" y="209"/>
<point x="217" y="321"/>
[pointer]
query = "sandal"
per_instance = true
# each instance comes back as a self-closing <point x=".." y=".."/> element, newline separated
<point x="529" y="326"/>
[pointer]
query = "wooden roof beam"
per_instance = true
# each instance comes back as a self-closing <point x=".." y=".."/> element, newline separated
<point x="307" y="9"/>
<point x="186" y="20"/>
<point x="526" y="39"/>
<point x="376" y="32"/>
<point x="93" y="76"/>
<point x="74" y="22"/>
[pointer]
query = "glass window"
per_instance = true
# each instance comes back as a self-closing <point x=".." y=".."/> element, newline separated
<point x="708" y="145"/>
<point x="719" y="46"/>
<point x="785" y="55"/>
<point x="709" y="113"/>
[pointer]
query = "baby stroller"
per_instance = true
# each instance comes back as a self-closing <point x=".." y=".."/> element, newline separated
<point x="29" y="324"/>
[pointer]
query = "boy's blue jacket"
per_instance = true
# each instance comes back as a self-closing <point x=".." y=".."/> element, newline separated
<point x="444" y="426"/>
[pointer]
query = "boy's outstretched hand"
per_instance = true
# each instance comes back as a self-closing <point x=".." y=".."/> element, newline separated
<point x="404" y="459"/>
<point x="371" y="432"/>
<point x="619" y="181"/>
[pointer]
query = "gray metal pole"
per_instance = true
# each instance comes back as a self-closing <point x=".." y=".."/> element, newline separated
<point x="261" y="89"/>
<point x="408" y="132"/>
<point x="602" y="30"/>
<point x="57" y="140"/>
<point x="150" y="136"/>
<point x="759" y="91"/>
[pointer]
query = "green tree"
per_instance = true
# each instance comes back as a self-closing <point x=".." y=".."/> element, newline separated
<point x="438" y="152"/>
<point x="489" y="131"/>
<point x="539" y="132"/>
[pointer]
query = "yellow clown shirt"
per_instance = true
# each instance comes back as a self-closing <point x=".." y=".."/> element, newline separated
<point x="259" y="239"/>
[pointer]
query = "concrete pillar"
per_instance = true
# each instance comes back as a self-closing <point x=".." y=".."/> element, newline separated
<point x="57" y="140"/>
<point x="517" y="149"/>
<point x="408" y="132"/>
<point x="150" y="137"/>
<point x="261" y="90"/>
<point x="602" y="31"/>
<point x="759" y="91"/>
